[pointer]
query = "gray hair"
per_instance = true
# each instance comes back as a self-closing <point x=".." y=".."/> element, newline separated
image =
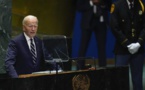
<point x="26" y="18"/>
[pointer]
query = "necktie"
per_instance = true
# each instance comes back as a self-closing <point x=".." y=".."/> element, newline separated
<point x="33" y="51"/>
<point x="97" y="10"/>
<point x="131" y="6"/>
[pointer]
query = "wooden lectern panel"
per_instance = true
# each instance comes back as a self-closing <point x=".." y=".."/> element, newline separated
<point x="109" y="78"/>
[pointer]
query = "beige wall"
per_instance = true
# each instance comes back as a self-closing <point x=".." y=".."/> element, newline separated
<point x="55" y="16"/>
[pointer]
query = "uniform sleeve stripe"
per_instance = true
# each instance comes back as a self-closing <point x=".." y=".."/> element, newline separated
<point x="124" y="41"/>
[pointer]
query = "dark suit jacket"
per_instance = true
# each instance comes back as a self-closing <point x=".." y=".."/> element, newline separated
<point x="122" y="25"/>
<point x="19" y="59"/>
<point x="87" y="11"/>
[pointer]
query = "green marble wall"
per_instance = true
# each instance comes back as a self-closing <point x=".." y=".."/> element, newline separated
<point x="5" y="29"/>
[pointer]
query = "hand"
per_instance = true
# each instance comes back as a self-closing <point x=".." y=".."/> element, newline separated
<point x="133" y="47"/>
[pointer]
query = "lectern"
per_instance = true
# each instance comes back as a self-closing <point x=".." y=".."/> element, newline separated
<point x="108" y="78"/>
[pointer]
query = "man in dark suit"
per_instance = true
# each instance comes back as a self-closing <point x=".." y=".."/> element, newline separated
<point x="128" y="27"/>
<point x="94" y="19"/>
<point x="23" y="55"/>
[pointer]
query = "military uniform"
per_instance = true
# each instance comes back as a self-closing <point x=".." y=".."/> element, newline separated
<point x="126" y="29"/>
<point x="128" y="26"/>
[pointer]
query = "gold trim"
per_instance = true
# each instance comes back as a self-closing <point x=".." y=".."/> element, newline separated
<point x="124" y="41"/>
<point x="141" y="39"/>
<point x="112" y="8"/>
<point x="81" y="82"/>
<point x="142" y="6"/>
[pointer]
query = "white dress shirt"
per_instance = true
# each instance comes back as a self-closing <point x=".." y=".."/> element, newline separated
<point x="29" y="41"/>
<point x="128" y="2"/>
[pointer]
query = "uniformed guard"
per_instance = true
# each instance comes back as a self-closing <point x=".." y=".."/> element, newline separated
<point x="128" y="27"/>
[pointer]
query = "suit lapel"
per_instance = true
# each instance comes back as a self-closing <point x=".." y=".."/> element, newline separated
<point x="25" y="43"/>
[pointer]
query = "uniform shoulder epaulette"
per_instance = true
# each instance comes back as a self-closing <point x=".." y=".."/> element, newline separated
<point x="112" y="8"/>
<point x="142" y="5"/>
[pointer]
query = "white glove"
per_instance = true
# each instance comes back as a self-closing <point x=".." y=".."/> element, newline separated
<point x="133" y="47"/>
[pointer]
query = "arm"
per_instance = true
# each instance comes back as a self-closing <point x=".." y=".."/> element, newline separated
<point x="134" y="47"/>
<point x="11" y="59"/>
<point x="141" y="38"/>
<point x="116" y="30"/>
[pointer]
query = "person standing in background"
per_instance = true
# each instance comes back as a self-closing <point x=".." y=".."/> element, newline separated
<point x="128" y="27"/>
<point x="94" y="19"/>
<point x="25" y="52"/>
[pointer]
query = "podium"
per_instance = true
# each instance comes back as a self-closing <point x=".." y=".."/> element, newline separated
<point x="109" y="78"/>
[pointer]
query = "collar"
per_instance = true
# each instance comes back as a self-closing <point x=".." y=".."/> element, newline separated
<point x="27" y="37"/>
<point x="128" y="2"/>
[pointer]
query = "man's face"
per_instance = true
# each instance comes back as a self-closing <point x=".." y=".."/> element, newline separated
<point x="30" y="27"/>
<point x="96" y="1"/>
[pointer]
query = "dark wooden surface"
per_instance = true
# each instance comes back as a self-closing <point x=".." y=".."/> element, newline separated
<point x="110" y="78"/>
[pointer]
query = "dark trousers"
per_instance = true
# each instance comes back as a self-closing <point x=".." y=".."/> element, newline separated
<point x="136" y="66"/>
<point x="99" y="29"/>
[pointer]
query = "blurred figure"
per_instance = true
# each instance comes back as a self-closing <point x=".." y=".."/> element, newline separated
<point x="94" y="19"/>
<point x="25" y="51"/>
<point x="128" y="27"/>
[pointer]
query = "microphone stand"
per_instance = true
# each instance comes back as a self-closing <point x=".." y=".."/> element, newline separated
<point x="55" y="86"/>
<point x="56" y="75"/>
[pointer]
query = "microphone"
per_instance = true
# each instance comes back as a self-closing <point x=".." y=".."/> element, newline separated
<point x="57" y="55"/>
<point x="73" y="59"/>
<point x="57" y="50"/>
<point x="63" y="53"/>
<point x="78" y="58"/>
<point x="59" y="60"/>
